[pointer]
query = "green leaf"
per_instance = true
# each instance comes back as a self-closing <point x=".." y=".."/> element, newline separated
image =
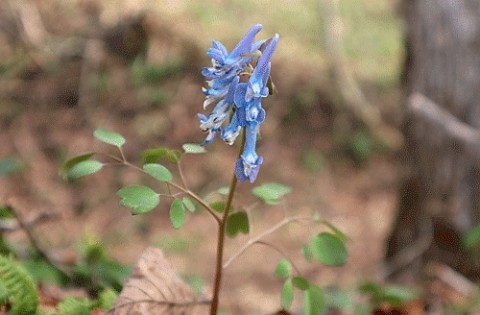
<point x="158" y="172"/>
<point x="9" y="166"/>
<point x="393" y="295"/>
<point x="223" y="190"/>
<point x="84" y="168"/>
<point x="109" y="137"/>
<point x="218" y="206"/>
<point x="307" y="253"/>
<point x="140" y="199"/>
<point x="283" y="269"/>
<point x="68" y="164"/>
<point x="106" y="299"/>
<point x="237" y="222"/>
<point x="41" y="271"/>
<point x="471" y="239"/>
<point x="188" y="203"/>
<point x="335" y="230"/>
<point x="398" y="295"/>
<point x="300" y="283"/>
<point x="156" y="154"/>
<point x="313" y="300"/>
<point x="4" y="294"/>
<point x="76" y="306"/>
<point x="177" y="213"/>
<point x="328" y="249"/>
<point x="270" y="193"/>
<point x="6" y="212"/>
<point x="191" y="148"/>
<point x="287" y="294"/>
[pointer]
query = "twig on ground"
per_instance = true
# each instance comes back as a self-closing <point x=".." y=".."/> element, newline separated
<point x="422" y="107"/>
<point x="351" y="93"/>
<point x="453" y="279"/>
<point x="34" y="241"/>
<point x="30" y="21"/>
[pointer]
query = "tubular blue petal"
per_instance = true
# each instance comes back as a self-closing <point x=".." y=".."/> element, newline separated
<point x="261" y="73"/>
<point x="267" y="54"/>
<point x="245" y="44"/>
<point x="239" y="97"/>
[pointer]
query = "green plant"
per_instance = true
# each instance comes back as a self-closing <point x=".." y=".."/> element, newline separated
<point x="17" y="289"/>
<point x="83" y="306"/>
<point x="97" y="271"/>
<point x="394" y="296"/>
<point x="237" y="85"/>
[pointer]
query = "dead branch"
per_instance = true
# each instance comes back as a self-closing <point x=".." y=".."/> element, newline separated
<point x="30" y="21"/>
<point x="34" y="241"/>
<point x="424" y="108"/>
<point x="453" y="279"/>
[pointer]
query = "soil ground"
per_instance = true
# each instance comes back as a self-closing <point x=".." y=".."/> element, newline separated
<point x="49" y="113"/>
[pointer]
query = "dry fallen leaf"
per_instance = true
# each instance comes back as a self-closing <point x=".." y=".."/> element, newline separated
<point x="155" y="288"/>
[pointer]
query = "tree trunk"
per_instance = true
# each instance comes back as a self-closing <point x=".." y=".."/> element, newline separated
<point x="440" y="197"/>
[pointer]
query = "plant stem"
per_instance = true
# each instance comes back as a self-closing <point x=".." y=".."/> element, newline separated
<point x="221" y="239"/>
<point x="220" y="247"/>
<point x="259" y="237"/>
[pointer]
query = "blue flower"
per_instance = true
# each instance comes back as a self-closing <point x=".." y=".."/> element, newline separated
<point x="214" y="121"/>
<point x="248" y="165"/>
<point x="238" y="101"/>
<point x="258" y="80"/>
<point x="226" y="66"/>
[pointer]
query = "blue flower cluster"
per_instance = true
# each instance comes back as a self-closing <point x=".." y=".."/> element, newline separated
<point x="237" y="87"/>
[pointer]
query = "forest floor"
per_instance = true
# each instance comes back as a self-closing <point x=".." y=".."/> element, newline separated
<point x="50" y="104"/>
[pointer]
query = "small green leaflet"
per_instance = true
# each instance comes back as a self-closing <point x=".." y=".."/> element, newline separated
<point x="287" y="294"/>
<point x="218" y="206"/>
<point x="300" y="283"/>
<point x="177" y="213"/>
<point x="188" y="203"/>
<point x="68" y="164"/>
<point x="237" y="222"/>
<point x="307" y="253"/>
<point x="158" y="172"/>
<point x="223" y="190"/>
<point x="140" y="199"/>
<point x="155" y="154"/>
<point x="191" y="148"/>
<point x="313" y="300"/>
<point x="109" y="137"/>
<point x="270" y="193"/>
<point x="336" y="231"/>
<point x="328" y="249"/>
<point x="83" y="168"/>
<point x="283" y="269"/>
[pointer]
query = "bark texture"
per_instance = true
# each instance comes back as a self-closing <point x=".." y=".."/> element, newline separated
<point x="440" y="196"/>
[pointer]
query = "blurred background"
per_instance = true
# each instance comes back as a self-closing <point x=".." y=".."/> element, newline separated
<point x="338" y="131"/>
